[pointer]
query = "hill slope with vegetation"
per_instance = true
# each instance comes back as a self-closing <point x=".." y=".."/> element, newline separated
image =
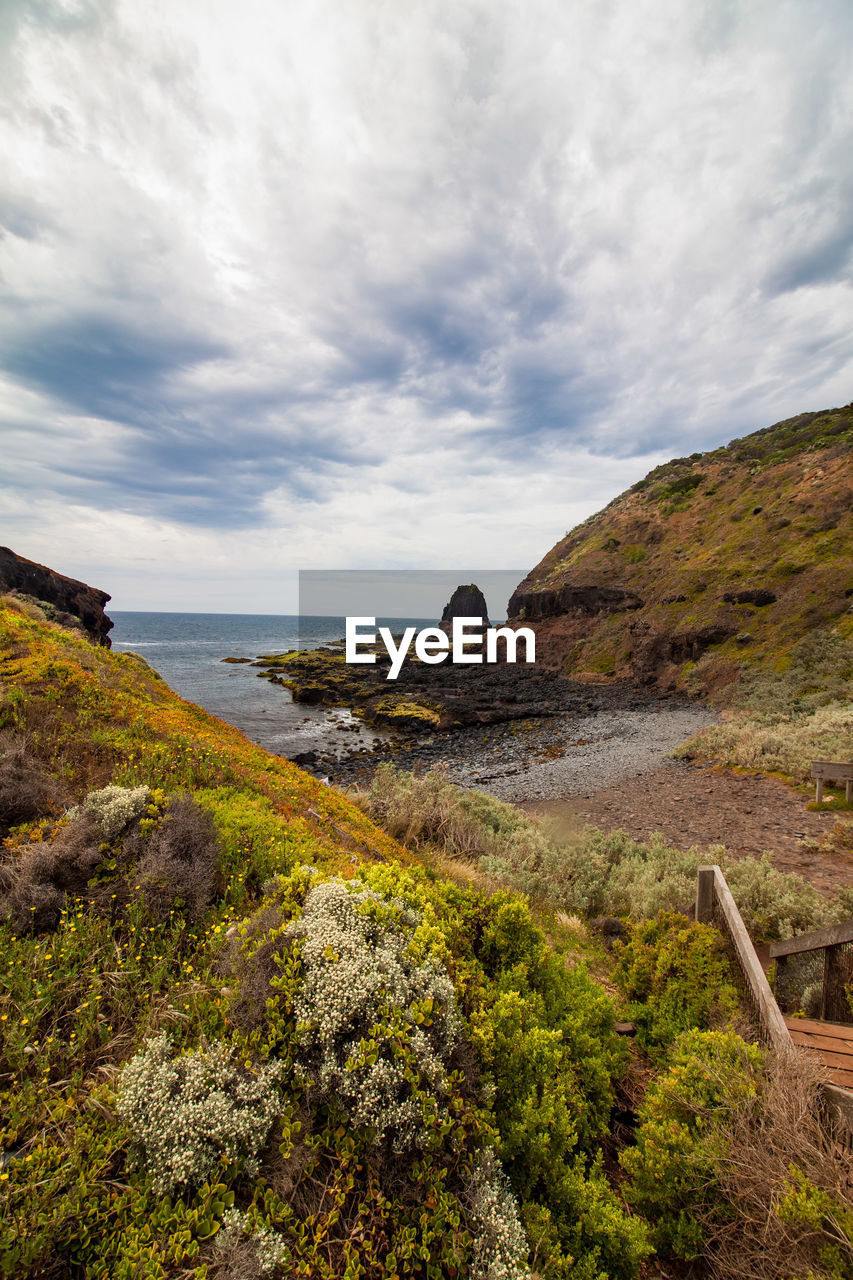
<point x="710" y="566"/>
<point x="245" y="1033"/>
<point x="727" y="575"/>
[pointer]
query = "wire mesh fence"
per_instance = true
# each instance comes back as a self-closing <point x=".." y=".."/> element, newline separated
<point x="817" y="983"/>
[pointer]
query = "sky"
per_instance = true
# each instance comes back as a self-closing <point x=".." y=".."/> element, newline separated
<point x="363" y="284"/>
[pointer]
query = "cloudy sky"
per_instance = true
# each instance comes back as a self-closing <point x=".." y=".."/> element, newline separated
<point x="375" y="284"/>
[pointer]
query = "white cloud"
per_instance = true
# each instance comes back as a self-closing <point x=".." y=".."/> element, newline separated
<point x="357" y="283"/>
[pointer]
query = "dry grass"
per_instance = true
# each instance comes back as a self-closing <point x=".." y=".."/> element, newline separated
<point x="428" y="811"/>
<point x="33" y="885"/>
<point x="26" y="791"/>
<point x="178" y="863"/>
<point x="785" y="1130"/>
<point x="784" y="745"/>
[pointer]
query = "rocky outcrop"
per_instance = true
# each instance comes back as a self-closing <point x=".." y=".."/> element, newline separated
<point x="466" y="602"/>
<point x="423" y="698"/>
<point x="757" y="596"/>
<point x="571" y="601"/>
<point x="65" y="600"/>
<point x="655" y="651"/>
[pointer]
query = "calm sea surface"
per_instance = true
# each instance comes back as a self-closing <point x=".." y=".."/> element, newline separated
<point x="187" y="649"/>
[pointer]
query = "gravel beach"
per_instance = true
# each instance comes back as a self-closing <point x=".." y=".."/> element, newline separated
<point x="599" y="751"/>
<point x="616" y="734"/>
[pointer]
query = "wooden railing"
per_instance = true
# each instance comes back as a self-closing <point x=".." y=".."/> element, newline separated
<point x="715" y="905"/>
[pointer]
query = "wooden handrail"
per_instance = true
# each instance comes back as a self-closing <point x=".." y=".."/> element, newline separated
<point x="833" y="935"/>
<point x="710" y="885"/>
<point x="711" y="888"/>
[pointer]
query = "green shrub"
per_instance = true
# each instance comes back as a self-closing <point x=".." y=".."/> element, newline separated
<point x="192" y="1113"/>
<point x="602" y="873"/>
<point x="736" y="1163"/>
<point x="778" y="904"/>
<point x="673" y="1163"/>
<point x="680" y="487"/>
<point x="676" y="975"/>
<point x="375" y="1028"/>
<point x="114" y="808"/>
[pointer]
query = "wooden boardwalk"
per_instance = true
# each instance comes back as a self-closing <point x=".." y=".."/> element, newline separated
<point x="831" y="1041"/>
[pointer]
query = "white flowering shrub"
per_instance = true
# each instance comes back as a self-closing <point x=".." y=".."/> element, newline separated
<point x="500" y="1245"/>
<point x="375" y="1027"/>
<point x="237" y="1237"/>
<point x="186" y="1113"/>
<point x="114" y="808"/>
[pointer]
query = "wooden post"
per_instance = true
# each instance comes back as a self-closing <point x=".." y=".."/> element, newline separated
<point x="827" y="974"/>
<point x="818" y="791"/>
<point x="832" y="982"/>
<point x="848" y="791"/>
<point x="705" y="894"/>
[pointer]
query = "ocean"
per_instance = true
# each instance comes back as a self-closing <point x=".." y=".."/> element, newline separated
<point x="187" y="650"/>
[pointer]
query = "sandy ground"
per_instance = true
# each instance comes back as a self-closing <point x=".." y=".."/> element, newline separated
<point x="704" y="805"/>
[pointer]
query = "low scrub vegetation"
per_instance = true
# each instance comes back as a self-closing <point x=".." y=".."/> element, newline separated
<point x="676" y="976"/>
<point x="596" y="874"/>
<point x="245" y="1033"/>
<point x="785" y="719"/>
<point x="735" y="1165"/>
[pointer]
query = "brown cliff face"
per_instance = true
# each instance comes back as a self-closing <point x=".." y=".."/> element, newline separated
<point x="580" y="602"/>
<point x="711" y="564"/>
<point x="72" y="603"/>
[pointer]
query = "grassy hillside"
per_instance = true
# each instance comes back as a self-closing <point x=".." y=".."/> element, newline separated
<point x="244" y="1033"/>
<point x="728" y="560"/>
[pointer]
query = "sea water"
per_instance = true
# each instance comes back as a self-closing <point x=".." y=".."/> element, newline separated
<point x="187" y="650"/>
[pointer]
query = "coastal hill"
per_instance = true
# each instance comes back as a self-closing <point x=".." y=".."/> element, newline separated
<point x="711" y="564"/>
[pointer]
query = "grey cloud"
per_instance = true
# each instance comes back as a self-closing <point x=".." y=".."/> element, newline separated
<point x="442" y="245"/>
<point x="99" y="366"/>
<point x="826" y="259"/>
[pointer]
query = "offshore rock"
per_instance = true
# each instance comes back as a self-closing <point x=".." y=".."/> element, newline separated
<point x="466" y="602"/>
<point x="64" y="600"/>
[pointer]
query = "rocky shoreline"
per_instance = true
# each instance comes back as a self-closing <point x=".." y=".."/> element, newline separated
<point x="600" y="735"/>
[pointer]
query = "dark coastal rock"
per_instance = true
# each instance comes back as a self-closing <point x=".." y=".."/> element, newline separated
<point x="657" y="650"/>
<point x="423" y="698"/>
<point x="757" y="596"/>
<point x="568" y="600"/>
<point x="466" y="602"/>
<point x="69" y="602"/>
